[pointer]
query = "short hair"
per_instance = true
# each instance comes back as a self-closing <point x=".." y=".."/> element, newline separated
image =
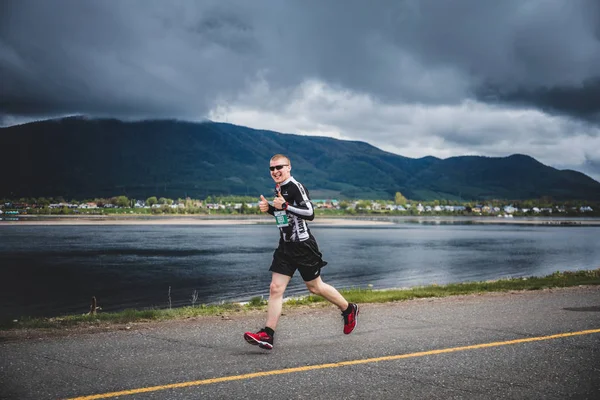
<point x="280" y="156"/>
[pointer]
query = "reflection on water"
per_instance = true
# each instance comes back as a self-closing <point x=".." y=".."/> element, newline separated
<point x="50" y="270"/>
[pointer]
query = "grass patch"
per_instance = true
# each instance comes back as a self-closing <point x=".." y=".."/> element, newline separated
<point x="555" y="280"/>
<point x="357" y="295"/>
<point x="125" y="316"/>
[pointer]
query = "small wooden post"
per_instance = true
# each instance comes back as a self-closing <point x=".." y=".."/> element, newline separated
<point x="93" y="307"/>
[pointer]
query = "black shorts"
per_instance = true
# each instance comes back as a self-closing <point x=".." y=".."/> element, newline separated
<point x="302" y="256"/>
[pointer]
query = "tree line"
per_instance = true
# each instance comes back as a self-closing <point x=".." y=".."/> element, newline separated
<point x="231" y="204"/>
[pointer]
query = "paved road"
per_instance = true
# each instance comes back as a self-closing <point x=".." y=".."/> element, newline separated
<point x="427" y="349"/>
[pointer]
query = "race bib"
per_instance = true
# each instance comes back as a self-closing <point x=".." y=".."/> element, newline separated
<point x="281" y="218"/>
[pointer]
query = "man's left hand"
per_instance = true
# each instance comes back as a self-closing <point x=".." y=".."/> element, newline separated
<point x="278" y="201"/>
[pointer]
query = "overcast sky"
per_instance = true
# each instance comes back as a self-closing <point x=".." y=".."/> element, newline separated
<point x="413" y="77"/>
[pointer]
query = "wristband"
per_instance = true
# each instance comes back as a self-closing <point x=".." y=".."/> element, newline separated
<point x="285" y="205"/>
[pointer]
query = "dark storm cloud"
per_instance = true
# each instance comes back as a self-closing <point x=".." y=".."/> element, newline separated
<point x="582" y="101"/>
<point x="127" y="59"/>
<point x="543" y="53"/>
<point x="179" y="59"/>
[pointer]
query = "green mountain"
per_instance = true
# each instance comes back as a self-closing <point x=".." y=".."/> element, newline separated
<point x="86" y="158"/>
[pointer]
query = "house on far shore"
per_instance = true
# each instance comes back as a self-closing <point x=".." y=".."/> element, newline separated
<point x="89" y="205"/>
<point x="510" y="209"/>
<point x="328" y="203"/>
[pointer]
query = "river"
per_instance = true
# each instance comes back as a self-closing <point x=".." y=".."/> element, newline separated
<point x="51" y="270"/>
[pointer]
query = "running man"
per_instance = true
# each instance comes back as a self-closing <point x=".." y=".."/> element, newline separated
<point x="297" y="250"/>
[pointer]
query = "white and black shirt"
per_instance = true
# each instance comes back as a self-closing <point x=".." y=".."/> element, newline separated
<point x="299" y="211"/>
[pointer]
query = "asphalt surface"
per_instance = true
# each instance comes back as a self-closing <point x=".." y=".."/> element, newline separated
<point x="310" y="341"/>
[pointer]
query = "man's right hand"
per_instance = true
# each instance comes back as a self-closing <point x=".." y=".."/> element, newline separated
<point x="263" y="204"/>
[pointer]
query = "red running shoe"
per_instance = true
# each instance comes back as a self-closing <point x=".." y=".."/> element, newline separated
<point x="260" y="338"/>
<point x="350" y="319"/>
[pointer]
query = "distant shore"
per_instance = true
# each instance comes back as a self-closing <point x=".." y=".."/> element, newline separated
<point x="171" y="220"/>
<point x="367" y="220"/>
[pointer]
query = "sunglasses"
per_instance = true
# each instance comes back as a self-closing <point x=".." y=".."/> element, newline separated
<point x="277" y="167"/>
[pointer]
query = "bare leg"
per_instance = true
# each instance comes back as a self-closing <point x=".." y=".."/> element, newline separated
<point x="278" y="284"/>
<point x="320" y="288"/>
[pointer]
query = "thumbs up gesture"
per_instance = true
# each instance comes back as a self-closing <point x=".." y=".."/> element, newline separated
<point x="263" y="204"/>
<point x="278" y="201"/>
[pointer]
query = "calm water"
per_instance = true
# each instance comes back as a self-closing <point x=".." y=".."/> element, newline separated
<point x="51" y="270"/>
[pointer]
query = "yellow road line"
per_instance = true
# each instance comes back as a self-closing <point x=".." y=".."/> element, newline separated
<point x="332" y="365"/>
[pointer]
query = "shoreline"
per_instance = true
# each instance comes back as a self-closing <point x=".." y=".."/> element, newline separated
<point x="92" y="324"/>
<point x="372" y="220"/>
<point x="172" y="220"/>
